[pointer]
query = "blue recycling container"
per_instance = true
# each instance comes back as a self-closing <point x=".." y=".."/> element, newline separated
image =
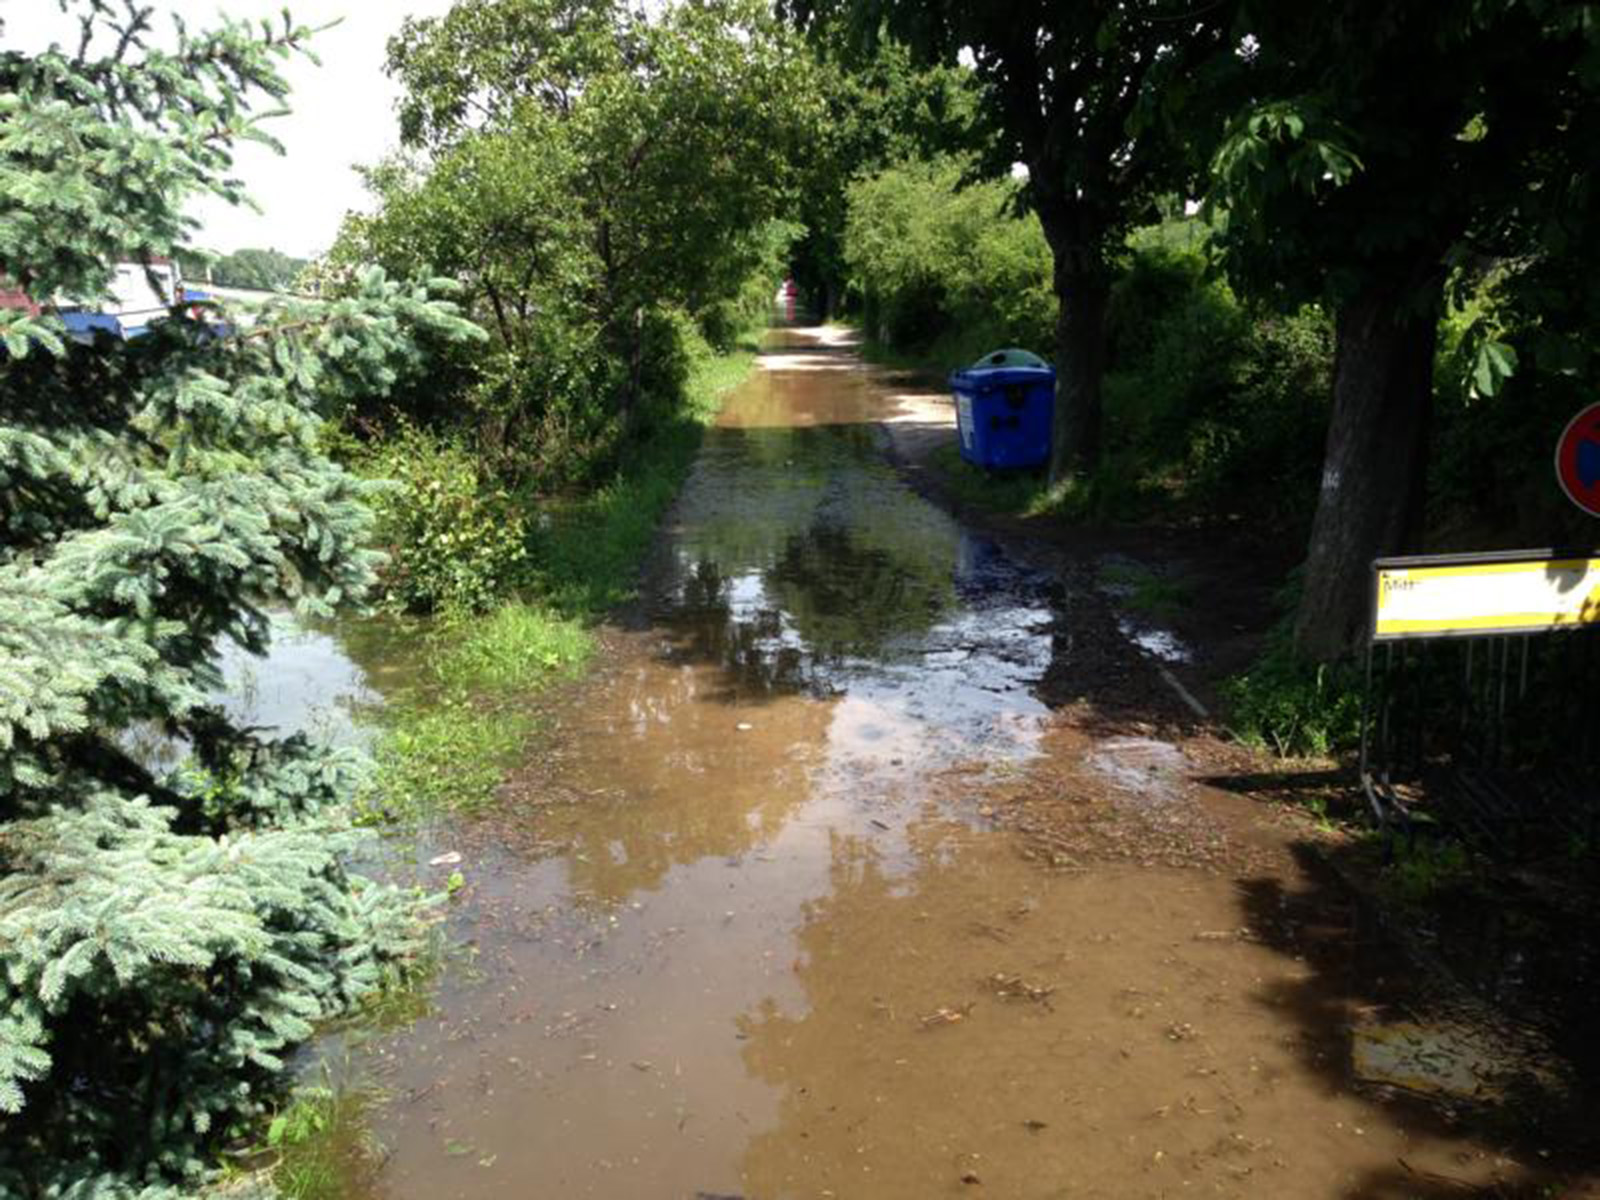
<point x="1004" y="403"/>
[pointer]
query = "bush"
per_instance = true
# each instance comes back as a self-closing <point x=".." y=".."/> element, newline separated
<point x="1296" y="708"/>
<point x="539" y="414"/>
<point x="1225" y="406"/>
<point x="454" y="539"/>
<point x="937" y="265"/>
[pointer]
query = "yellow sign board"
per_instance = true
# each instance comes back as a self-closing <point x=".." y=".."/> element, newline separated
<point x="1416" y="598"/>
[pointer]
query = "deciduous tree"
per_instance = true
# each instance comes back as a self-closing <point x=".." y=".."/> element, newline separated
<point x="1373" y="154"/>
<point x="1071" y="90"/>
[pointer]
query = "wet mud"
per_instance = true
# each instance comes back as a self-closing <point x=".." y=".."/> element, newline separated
<point x="816" y="890"/>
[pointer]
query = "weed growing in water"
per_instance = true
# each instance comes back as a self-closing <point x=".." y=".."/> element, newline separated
<point x="1144" y="591"/>
<point x="515" y="648"/>
<point x="318" y="1143"/>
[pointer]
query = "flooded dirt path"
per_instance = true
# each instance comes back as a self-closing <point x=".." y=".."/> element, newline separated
<point x="749" y="930"/>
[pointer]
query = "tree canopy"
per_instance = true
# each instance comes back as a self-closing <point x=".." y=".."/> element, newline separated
<point x="1380" y="159"/>
<point x="585" y="172"/>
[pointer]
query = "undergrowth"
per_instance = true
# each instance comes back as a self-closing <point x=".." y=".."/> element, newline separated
<point x="469" y="715"/>
<point x="1295" y="708"/>
<point x="1144" y="591"/>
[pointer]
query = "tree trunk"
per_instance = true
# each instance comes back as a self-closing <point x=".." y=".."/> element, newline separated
<point x="1083" y="296"/>
<point x="1373" y="472"/>
<point x="630" y="396"/>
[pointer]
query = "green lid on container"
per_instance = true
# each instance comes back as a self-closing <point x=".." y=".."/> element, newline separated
<point x="1011" y="358"/>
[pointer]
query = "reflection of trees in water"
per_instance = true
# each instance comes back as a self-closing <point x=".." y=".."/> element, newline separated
<point x="673" y="784"/>
<point x="826" y="596"/>
<point x="846" y="558"/>
<point x="750" y="646"/>
<point x="849" y="595"/>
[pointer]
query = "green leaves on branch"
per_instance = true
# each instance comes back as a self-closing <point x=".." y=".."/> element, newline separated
<point x="166" y="937"/>
<point x="583" y="171"/>
<point x="1495" y="363"/>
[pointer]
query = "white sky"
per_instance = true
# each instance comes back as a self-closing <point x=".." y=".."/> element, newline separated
<point x="343" y="115"/>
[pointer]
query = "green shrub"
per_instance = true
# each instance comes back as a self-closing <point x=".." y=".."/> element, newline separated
<point x="539" y="415"/>
<point x="1295" y="708"/>
<point x="454" y="539"/>
<point x="1226" y="405"/>
<point x="938" y="265"/>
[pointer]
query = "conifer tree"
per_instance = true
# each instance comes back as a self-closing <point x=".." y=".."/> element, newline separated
<point x="165" y="938"/>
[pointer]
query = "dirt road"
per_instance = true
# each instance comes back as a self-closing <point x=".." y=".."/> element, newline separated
<point x="877" y="864"/>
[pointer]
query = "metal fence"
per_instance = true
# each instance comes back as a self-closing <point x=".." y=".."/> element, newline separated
<point x="1492" y="738"/>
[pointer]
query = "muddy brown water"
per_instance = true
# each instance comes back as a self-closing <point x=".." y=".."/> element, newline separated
<point x="744" y="932"/>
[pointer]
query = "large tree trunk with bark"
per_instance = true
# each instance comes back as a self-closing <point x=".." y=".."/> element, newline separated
<point x="1080" y="367"/>
<point x="1373" y="472"/>
<point x="1083" y="291"/>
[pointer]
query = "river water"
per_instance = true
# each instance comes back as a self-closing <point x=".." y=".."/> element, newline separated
<point x="745" y="930"/>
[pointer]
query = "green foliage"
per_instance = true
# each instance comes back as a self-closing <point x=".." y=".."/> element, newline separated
<point x="166" y="938"/>
<point x="1295" y="708"/>
<point x="1489" y="474"/>
<point x="454" y="539"/>
<point x="1379" y="162"/>
<point x="882" y="109"/>
<point x="468" y="717"/>
<point x="588" y="174"/>
<point x="946" y="266"/>
<point x="265" y="270"/>
<point x="1225" y="406"/>
<point x="1423" y="869"/>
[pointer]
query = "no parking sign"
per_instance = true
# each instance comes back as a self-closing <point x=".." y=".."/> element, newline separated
<point x="1578" y="460"/>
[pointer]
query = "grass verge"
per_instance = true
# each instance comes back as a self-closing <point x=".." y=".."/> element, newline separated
<point x="468" y="717"/>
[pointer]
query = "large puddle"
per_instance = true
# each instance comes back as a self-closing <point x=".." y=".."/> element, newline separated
<point x="726" y="942"/>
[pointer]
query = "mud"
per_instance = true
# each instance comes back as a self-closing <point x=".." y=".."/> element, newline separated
<point x="813" y="893"/>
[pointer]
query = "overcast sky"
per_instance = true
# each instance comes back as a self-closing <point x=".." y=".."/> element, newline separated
<point x="343" y="115"/>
